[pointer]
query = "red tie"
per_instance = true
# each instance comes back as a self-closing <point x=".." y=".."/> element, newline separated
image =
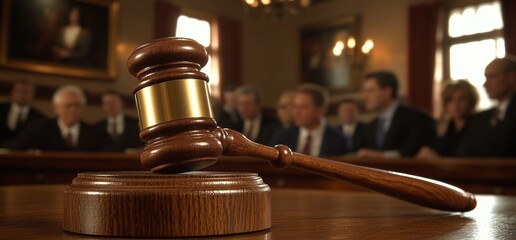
<point x="114" y="130"/>
<point x="308" y="145"/>
<point x="69" y="140"/>
<point x="495" y="119"/>
<point x="19" y="121"/>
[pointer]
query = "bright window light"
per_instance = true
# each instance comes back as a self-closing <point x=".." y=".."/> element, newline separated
<point x="194" y="28"/>
<point x="468" y="61"/>
<point x="200" y="31"/>
<point x="470" y="20"/>
<point x="474" y="41"/>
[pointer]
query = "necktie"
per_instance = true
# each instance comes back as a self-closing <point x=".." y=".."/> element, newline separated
<point x="114" y="130"/>
<point x="308" y="145"/>
<point x="20" y="120"/>
<point x="69" y="140"/>
<point x="249" y="132"/>
<point x="495" y="119"/>
<point x="380" y="133"/>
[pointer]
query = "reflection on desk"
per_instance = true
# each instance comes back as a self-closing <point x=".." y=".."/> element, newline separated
<point x="36" y="212"/>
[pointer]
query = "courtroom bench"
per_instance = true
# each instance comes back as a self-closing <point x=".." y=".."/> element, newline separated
<point x="477" y="175"/>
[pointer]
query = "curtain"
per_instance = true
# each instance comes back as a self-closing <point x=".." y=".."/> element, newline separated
<point x="509" y="25"/>
<point x="422" y="33"/>
<point x="230" y="52"/>
<point x="165" y="19"/>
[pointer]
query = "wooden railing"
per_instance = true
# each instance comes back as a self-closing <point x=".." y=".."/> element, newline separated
<point x="477" y="175"/>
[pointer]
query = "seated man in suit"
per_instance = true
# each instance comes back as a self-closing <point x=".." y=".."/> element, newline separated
<point x="256" y="126"/>
<point x="492" y="133"/>
<point x="399" y="130"/>
<point x="17" y="114"/>
<point x="348" y="111"/>
<point x="117" y="132"/>
<point x="65" y="133"/>
<point x="311" y="135"/>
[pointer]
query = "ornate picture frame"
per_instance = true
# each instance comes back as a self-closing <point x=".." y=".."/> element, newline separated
<point x="64" y="37"/>
<point x="326" y="62"/>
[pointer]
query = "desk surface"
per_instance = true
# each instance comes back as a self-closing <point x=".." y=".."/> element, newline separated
<point x="36" y="212"/>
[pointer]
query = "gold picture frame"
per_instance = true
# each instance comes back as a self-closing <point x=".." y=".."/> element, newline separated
<point x="320" y="64"/>
<point x="63" y="37"/>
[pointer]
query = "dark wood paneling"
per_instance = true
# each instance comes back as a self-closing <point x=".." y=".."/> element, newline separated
<point x="45" y="93"/>
<point x="495" y="176"/>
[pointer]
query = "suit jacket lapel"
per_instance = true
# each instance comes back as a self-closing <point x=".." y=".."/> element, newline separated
<point x="389" y="135"/>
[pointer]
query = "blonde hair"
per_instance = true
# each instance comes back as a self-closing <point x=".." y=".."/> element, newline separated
<point x="464" y="86"/>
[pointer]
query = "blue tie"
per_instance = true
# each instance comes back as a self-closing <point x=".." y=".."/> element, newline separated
<point x="380" y="133"/>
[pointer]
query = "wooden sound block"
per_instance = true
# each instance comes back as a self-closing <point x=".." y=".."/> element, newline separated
<point x="145" y="204"/>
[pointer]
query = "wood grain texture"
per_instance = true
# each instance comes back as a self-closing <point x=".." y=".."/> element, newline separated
<point x="418" y="190"/>
<point x="180" y="146"/>
<point x="476" y="175"/>
<point x="143" y="204"/>
<point x="36" y="212"/>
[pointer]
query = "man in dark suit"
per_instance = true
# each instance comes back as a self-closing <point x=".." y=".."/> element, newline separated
<point x="228" y="116"/>
<point x="492" y="133"/>
<point x="399" y="130"/>
<point x="348" y="111"/>
<point x="311" y="135"/>
<point x="18" y="114"/>
<point x="255" y="125"/>
<point x="117" y="132"/>
<point x="65" y="133"/>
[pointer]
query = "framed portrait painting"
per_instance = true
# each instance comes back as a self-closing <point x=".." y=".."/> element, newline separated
<point x="64" y="37"/>
<point x="326" y="56"/>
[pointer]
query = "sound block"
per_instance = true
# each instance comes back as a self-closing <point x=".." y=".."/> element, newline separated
<point x="145" y="204"/>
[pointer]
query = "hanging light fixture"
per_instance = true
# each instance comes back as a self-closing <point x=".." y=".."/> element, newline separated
<point x="347" y="46"/>
<point x="276" y="8"/>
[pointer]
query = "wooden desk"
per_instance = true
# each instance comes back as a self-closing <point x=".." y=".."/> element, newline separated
<point x="487" y="176"/>
<point x="36" y="212"/>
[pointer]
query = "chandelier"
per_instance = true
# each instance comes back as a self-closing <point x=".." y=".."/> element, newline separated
<point x="276" y="8"/>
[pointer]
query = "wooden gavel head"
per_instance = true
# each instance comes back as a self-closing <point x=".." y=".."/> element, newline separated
<point x="172" y="99"/>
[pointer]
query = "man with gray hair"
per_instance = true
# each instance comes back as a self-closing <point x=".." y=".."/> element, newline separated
<point x="66" y="132"/>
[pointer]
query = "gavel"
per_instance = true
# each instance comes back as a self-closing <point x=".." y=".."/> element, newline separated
<point x="181" y="134"/>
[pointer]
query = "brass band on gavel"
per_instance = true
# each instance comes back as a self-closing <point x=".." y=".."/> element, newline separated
<point x="172" y="100"/>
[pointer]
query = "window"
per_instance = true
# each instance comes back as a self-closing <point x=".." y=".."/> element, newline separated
<point x="202" y="30"/>
<point x="473" y="37"/>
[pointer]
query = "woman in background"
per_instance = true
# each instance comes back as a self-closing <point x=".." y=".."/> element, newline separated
<point x="459" y="100"/>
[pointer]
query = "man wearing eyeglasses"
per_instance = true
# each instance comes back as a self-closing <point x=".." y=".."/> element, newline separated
<point x="66" y="132"/>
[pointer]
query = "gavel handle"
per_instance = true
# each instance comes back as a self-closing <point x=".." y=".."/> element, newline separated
<point x="422" y="191"/>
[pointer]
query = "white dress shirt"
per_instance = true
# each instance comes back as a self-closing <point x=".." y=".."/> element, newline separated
<point x="388" y="115"/>
<point x="349" y="129"/>
<point x="73" y="130"/>
<point x="15" y="113"/>
<point x="256" y="123"/>
<point x="119" y="119"/>
<point x="502" y="108"/>
<point x="317" y="136"/>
